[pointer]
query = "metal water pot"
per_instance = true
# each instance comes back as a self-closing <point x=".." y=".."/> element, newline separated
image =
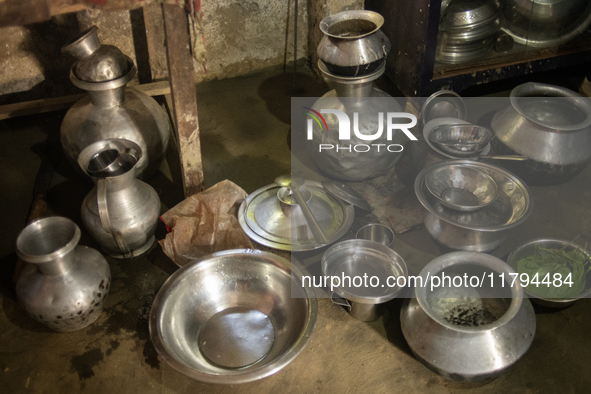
<point x="111" y="110"/>
<point x="353" y="44"/>
<point x="549" y="124"/>
<point x="64" y="286"/>
<point x="355" y="95"/>
<point x="121" y="212"/>
<point x="468" y="331"/>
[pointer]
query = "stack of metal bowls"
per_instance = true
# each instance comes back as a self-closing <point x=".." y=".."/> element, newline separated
<point x="467" y="29"/>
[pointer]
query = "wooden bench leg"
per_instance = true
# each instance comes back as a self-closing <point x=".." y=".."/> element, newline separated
<point x="184" y="97"/>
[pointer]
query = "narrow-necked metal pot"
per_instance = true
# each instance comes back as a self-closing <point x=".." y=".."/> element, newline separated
<point x="549" y="124"/>
<point x="468" y="333"/>
<point x="353" y="44"/>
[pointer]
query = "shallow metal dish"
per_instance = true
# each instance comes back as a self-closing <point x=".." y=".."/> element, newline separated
<point x="528" y="249"/>
<point x="463" y="188"/>
<point x="233" y="316"/>
<point x="461" y="140"/>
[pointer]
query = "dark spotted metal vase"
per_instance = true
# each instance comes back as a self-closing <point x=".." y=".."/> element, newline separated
<point x="64" y="286"/>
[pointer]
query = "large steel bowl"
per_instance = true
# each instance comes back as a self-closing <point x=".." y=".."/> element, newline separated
<point x="531" y="247"/>
<point x="233" y="316"/>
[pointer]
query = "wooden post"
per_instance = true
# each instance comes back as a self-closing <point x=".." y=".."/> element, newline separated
<point x="184" y="97"/>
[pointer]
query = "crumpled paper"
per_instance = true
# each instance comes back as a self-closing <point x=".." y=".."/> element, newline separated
<point x="205" y="223"/>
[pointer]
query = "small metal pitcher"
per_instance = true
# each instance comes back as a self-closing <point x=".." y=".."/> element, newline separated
<point x="121" y="212"/>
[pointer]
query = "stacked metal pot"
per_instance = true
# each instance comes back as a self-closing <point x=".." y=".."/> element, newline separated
<point x="467" y="29"/>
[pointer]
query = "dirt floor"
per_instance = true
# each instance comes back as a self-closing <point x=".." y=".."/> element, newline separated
<point x="245" y="125"/>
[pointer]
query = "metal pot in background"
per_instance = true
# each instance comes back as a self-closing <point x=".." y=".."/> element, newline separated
<point x="121" y="212"/>
<point x="64" y="286"/>
<point x="111" y="110"/>
<point x="545" y="23"/>
<point x="468" y="333"/>
<point x="549" y="124"/>
<point x="353" y="44"/>
<point x="96" y="62"/>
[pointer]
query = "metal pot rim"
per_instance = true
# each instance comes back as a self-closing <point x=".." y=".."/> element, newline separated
<point x="351" y="80"/>
<point x="469" y="258"/>
<point x="57" y="254"/>
<point x="529" y="89"/>
<point x="367" y="15"/>
<point x="251" y="374"/>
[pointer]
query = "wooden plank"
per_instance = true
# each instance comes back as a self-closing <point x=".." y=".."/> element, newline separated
<point x="155" y="36"/>
<point x="57" y="103"/>
<point x="184" y="97"/>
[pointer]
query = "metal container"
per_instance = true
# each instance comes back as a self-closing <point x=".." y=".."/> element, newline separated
<point x="121" y="212"/>
<point x="549" y="124"/>
<point x="468" y="333"/>
<point x="353" y="44"/>
<point x="111" y="110"/>
<point x="355" y="95"/>
<point x="376" y="232"/>
<point x="462" y="188"/>
<point x="96" y="62"/>
<point x="529" y="248"/>
<point x="481" y="230"/>
<point x="233" y="316"/>
<point x="461" y="140"/>
<point x="545" y="23"/>
<point x="358" y="258"/>
<point x="64" y="286"/>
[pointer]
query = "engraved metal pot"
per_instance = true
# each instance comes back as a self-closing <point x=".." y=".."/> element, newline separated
<point x="65" y="284"/>
<point x="113" y="111"/>
<point x="121" y="212"/>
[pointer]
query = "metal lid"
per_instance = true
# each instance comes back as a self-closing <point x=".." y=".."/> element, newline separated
<point x="346" y="193"/>
<point x="280" y="223"/>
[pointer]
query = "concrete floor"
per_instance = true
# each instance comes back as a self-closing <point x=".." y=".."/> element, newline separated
<point x="245" y="138"/>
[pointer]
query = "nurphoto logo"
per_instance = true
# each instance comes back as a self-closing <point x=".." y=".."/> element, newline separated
<point x="391" y="119"/>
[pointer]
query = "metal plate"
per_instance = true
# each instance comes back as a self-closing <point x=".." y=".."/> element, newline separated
<point x="512" y="206"/>
<point x="262" y="219"/>
<point x="346" y="193"/>
<point x="443" y="104"/>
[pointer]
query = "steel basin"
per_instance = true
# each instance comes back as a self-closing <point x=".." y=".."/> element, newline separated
<point x="233" y="316"/>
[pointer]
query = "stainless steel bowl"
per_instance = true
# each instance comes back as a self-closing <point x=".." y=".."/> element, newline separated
<point x="460" y="187"/>
<point x="532" y="247"/>
<point x="484" y="229"/>
<point x="461" y="140"/>
<point x="233" y="316"/>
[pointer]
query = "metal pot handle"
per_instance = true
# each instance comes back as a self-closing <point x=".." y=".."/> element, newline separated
<point x="101" y="199"/>
<point x="340" y="301"/>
